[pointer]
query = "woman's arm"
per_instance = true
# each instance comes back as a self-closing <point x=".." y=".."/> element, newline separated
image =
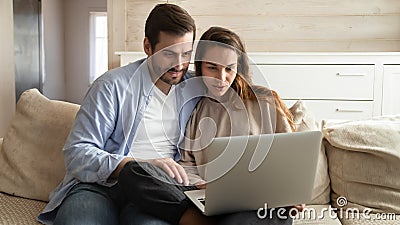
<point x="192" y="155"/>
<point x="189" y="163"/>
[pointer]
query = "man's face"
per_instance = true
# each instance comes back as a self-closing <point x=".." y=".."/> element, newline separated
<point x="170" y="57"/>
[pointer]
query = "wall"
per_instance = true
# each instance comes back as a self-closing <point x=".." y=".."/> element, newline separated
<point x="116" y="31"/>
<point x="53" y="38"/>
<point x="66" y="47"/>
<point x="277" y="25"/>
<point x="53" y="86"/>
<point x="76" y="34"/>
<point x="7" y="84"/>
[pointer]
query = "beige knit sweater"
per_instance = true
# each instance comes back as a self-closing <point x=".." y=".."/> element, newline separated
<point x="230" y="117"/>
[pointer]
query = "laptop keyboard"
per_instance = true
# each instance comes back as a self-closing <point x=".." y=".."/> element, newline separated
<point x="202" y="200"/>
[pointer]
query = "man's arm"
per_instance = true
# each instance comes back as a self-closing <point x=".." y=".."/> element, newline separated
<point x="115" y="173"/>
<point x="95" y="122"/>
<point x="172" y="168"/>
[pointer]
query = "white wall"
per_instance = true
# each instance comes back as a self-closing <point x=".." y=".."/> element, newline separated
<point x="7" y="76"/>
<point x="77" y="45"/>
<point x="53" y="38"/>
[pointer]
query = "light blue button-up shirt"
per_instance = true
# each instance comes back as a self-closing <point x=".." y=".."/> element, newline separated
<point x="106" y="125"/>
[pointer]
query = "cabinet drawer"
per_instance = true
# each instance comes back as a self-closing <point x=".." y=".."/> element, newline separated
<point x="391" y="91"/>
<point x="343" y="110"/>
<point x="341" y="82"/>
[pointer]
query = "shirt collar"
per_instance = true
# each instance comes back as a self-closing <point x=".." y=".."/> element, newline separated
<point x="148" y="84"/>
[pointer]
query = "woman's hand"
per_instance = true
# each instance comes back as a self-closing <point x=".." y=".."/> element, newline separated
<point x="299" y="208"/>
<point x="201" y="185"/>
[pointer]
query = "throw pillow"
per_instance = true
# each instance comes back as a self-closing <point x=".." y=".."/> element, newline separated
<point x="31" y="160"/>
<point x="364" y="163"/>
<point x="304" y="120"/>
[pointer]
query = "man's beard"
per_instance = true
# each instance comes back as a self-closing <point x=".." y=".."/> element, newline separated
<point x="172" y="81"/>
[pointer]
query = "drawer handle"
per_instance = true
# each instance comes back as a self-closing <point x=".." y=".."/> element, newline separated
<point x="351" y="74"/>
<point x="348" y="110"/>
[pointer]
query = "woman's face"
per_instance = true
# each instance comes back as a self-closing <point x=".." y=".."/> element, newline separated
<point x="219" y="69"/>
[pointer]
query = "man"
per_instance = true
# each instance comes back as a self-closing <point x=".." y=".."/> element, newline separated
<point x="119" y="120"/>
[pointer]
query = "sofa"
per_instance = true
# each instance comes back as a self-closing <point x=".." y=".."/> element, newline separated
<point x="358" y="166"/>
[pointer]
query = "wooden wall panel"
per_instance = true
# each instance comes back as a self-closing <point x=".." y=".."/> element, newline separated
<point x="295" y="28"/>
<point x="141" y="8"/>
<point x="288" y="7"/>
<point x="286" y="25"/>
<point x="309" y="46"/>
<point x="116" y="17"/>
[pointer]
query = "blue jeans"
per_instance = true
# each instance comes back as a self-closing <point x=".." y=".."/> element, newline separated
<point x="90" y="204"/>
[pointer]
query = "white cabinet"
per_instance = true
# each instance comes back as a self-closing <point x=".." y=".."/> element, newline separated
<point x="318" y="81"/>
<point x="332" y="85"/>
<point x="336" y="109"/>
<point x="330" y="91"/>
<point x="343" y="86"/>
<point x="391" y="90"/>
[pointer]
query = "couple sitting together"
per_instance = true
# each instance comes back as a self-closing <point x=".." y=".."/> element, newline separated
<point x="139" y="138"/>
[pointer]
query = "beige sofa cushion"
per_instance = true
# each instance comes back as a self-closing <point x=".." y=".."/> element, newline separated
<point x="364" y="163"/>
<point x="31" y="160"/>
<point x="304" y="120"/>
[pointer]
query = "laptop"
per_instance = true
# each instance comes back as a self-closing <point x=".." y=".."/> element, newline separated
<point x="251" y="172"/>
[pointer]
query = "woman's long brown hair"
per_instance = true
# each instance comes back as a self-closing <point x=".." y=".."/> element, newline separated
<point x="242" y="84"/>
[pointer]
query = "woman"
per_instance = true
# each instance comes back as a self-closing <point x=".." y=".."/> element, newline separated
<point x="232" y="106"/>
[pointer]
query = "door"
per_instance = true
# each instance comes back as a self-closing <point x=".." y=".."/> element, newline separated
<point x="27" y="47"/>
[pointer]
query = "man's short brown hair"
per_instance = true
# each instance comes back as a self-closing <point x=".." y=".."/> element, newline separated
<point x="168" y="18"/>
